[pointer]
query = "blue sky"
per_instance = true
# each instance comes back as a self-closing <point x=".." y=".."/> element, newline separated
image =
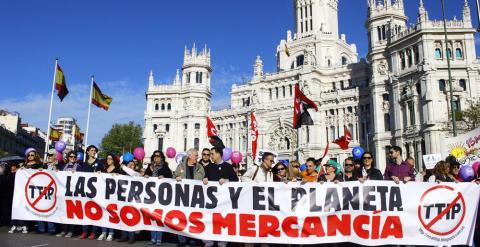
<point x="120" y="41"/>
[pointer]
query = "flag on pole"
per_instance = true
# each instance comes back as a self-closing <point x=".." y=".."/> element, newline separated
<point x="254" y="134"/>
<point x="344" y="140"/>
<point x="55" y="134"/>
<point x="213" y="135"/>
<point x="99" y="99"/>
<point x="60" y="83"/>
<point x="300" y="105"/>
<point x="78" y="134"/>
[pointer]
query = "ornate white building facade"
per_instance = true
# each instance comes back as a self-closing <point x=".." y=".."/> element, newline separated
<point x="394" y="97"/>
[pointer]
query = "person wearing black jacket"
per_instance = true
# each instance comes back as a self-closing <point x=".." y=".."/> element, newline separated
<point x="367" y="170"/>
<point x="219" y="170"/>
<point x="91" y="164"/>
<point x="158" y="168"/>
<point x="349" y="170"/>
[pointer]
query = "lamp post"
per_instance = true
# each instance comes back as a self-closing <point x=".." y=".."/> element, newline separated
<point x="478" y="15"/>
<point x="454" y="124"/>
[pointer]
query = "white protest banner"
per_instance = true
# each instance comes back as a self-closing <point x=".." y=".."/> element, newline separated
<point x="260" y="152"/>
<point x="466" y="147"/>
<point x="430" y="160"/>
<point x="372" y="213"/>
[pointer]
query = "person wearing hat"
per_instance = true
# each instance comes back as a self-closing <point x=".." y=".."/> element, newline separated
<point x="332" y="173"/>
<point x="32" y="160"/>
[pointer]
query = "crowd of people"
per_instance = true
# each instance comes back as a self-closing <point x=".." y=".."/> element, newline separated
<point x="207" y="166"/>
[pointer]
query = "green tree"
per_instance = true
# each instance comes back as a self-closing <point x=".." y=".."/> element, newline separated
<point x="471" y="116"/>
<point x="121" y="138"/>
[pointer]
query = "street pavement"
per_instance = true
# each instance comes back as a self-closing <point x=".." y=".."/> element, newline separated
<point x="45" y="240"/>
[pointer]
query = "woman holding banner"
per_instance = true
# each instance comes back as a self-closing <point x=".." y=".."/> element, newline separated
<point x="111" y="167"/>
<point x="367" y="170"/>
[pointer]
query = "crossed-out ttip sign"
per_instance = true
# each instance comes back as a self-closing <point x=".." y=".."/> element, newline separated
<point x="41" y="192"/>
<point x="441" y="210"/>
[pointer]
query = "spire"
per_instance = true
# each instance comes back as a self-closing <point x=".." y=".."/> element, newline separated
<point x="151" y="80"/>
<point x="177" y="78"/>
<point x="422" y="13"/>
<point x="258" y="68"/>
<point x="466" y="12"/>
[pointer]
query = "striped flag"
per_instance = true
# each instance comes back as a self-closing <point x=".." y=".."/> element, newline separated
<point x="99" y="99"/>
<point x="60" y="83"/>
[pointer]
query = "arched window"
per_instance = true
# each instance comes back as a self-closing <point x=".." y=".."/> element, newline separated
<point x="167" y="127"/>
<point x="438" y="53"/>
<point x="163" y="107"/>
<point x="283" y="90"/>
<point x="288" y="143"/>
<point x="291" y="90"/>
<point x="197" y="126"/>
<point x="442" y="85"/>
<point x="463" y="84"/>
<point x="344" y="61"/>
<point x="169" y="106"/>
<point x="156" y="107"/>
<point x="196" y="143"/>
<point x="409" y="58"/>
<point x="379" y="32"/>
<point x="417" y="54"/>
<point x="300" y="60"/>
<point x="402" y="59"/>
<point x="276" y="92"/>
<point x="270" y="93"/>
<point x="449" y="53"/>
<point x="155" y="128"/>
<point x="458" y="53"/>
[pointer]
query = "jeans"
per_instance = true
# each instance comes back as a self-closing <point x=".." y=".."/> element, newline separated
<point x="107" y="230"/>
<point x="85" y="229"/>
<point x="156" y="237"/>
<point x="50" y="227"/>
<point x="130" y="235"/>
<point x="68" y="228"/>
<point x="18" y="223"/>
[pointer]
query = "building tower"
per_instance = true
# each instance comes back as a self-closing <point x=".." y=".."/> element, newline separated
<point x="196" y="68"/>
<point x="385" y="20"/>
<point x="314" y="16"/>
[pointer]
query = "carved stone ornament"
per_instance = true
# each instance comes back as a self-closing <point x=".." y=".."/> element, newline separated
<point x="382" y="68"/>
<point x="277" y="139"/>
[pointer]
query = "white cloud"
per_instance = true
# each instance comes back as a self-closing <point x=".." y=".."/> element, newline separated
<point x="128" y="105"/>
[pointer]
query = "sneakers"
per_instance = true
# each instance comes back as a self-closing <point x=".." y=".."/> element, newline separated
<point x="69" y="235"/>
<point x="101" y="237"/>
<point x="110" y="237"/>
<point x="91" y="236"/>
<point x="83" y="236"/>
<point x="24" y="230"/>
<point x="12" y="230"/>
<point x="61" y="234"/>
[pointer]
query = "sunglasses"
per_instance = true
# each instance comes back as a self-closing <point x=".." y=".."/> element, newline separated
<point x="206" y="154"/>
<point x="349" y="164"/>
<point x="157" y="155"/>
<point x="367" y="158"/>
<point x="296" y="166"/>
<point x="31" y="155"/>
<point x="281" y="169"/>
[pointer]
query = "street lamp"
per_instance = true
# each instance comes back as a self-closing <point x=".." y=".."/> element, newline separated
<point x="478" y="16"/>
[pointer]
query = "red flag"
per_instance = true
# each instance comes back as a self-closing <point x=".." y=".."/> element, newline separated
<point x="300" y="105"/>
<point x="212" y="134"/>
<point x="344" y="140"/>
<point x="254" y="133"/>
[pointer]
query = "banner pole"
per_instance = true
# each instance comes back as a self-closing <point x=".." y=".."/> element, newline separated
<point x="50" y="111"/>
<point x="88" y="118"/>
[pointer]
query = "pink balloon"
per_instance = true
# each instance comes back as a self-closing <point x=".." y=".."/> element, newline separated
<point x="475" y="166"/>
<point x="139" y="153"/>
<point x="236" y="157"/>
<point x="59" y="156"/>
<point x="171" y="152"/>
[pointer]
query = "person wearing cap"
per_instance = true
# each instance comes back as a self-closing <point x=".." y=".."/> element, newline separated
<point x="331" y="174"/>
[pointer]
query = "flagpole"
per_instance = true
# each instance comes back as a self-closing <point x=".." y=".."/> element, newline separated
<point x="50" y="111"/>
<point x="88" y="118"/>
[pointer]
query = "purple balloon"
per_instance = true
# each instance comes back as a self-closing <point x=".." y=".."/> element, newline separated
<point x="139" y="153"/>
<point x="60" y="146"/>
<point x="29" y="150"/>
<point x="236" y="157"/>
<point x="227" y="153"/>
<point x="466" y="173"/>
<point x="179" y="157"/>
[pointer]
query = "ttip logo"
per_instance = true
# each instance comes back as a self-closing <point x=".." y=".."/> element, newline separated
<point x="441" y="210"/>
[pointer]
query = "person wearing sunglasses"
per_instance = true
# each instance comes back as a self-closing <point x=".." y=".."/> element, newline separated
<point x="280" y="173"/>
<point x="32" y="160"/>
<point x="294" y="171"/>
<point x="349" y="170"/>
<point x="205" y="158"/>
<point x="367" y="169"/>
<point x="398" y="170"/>
<point x="71" y="166"/>
<point x="261" y="173"/>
